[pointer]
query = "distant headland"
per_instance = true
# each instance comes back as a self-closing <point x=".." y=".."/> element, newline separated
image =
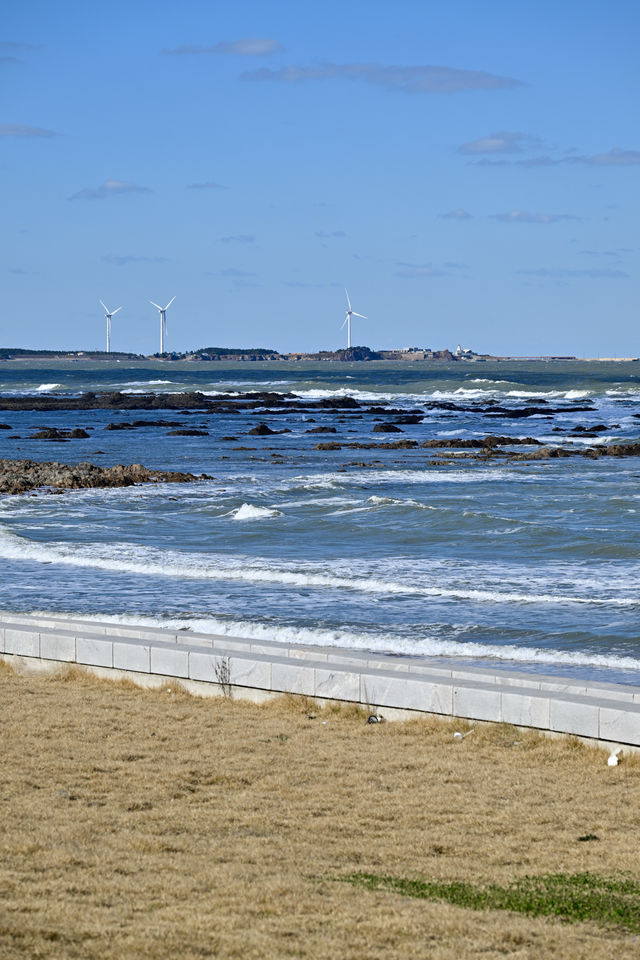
<point x="253" y="354"/>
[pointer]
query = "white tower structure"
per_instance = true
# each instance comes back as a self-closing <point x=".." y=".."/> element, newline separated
<point x="163" y="320"/>
<point x="347" y="319"/>
<point x="108" y="314"/>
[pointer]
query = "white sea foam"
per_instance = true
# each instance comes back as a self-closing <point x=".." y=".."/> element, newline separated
<point x="249" y="512"/>
<point x="46" y="387"/>
<point x="147" y="561"/>
<point x="365" y="640"/>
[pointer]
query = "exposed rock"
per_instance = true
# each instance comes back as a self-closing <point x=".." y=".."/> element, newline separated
<point x="19" y="476"/>
<point x="386" y="428"/>
<point x="479" y="444"/>
<point x="187" y="433"/>
<point x="262" y="430"/>
<point x="322" y="430"/>
<point x="5" y="426"/>
<point x="328" y="446"/>
<point x="52" y="433"/>
<point x="134" y="424"/>
<point x="390" y="445"/>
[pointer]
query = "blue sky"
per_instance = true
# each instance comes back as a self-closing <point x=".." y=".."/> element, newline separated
<point x="469" y="170"/>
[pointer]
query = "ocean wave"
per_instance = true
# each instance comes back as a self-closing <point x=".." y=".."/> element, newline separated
<point x="47" y="387"/>
<point x="149" y="561"/>
<point x="363" y="641"/>
<point x="249" y="512"/>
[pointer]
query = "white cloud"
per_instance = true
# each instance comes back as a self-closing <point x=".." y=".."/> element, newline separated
<point x="617" y="157"/>
<point x="418" y="79"/>
<point x="121" y="261"/>
<point x="458" y="214"/>
<point x="207" y="185"/>
<point x="245" y="47"/>
<point x="333" y="233"/>
<point x="418" y="271"/>
<point x="21" y="130"/>
<point x="560" y="273"/>
<point x="502" y="142"/>
<point x="110" y="188"/>
<point x="238" y="238"/>
<point x="522" y="216"/>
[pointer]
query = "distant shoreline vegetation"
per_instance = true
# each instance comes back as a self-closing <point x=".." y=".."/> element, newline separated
<point x="361" y="353"/>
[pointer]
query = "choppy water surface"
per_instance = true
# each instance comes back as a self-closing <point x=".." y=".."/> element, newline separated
<point x="534" y="563"/>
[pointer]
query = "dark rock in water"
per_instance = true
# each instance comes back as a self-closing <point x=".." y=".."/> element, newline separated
<point x="487" y="442"/>
<point x="386" y="428"/>
<point x="328" y="446"/>
<point x="134" y="424"/>
<point x="339" y="403"/>
<point x="19" y="476"/>
<point x="517" y="412"/>
<point x="390" y="445"/>
<point x="228" y="438"/>
<point x="60" y="436"/>
<point x="261" y="430"/>
<point x="187" y="433"/>
<point x="322" y="430"/>
<point x="409" y="419"/>
<point x="5" y="426"/>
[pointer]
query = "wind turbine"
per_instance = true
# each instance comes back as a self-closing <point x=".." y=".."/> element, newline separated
<point x="163" y="320"/>
<point x="108" y="314"/>
<point x="347" y="319"/>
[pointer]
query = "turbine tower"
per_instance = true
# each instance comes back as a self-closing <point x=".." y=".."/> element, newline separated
<point x="163" y="320"/>
<point x="108" y="314"/>
<point x="347" y="319"/>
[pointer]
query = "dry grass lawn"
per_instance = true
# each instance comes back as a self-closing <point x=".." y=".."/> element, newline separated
<point x="139" y="824"/>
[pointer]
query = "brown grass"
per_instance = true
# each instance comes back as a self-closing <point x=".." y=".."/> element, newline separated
<point x="151" y="824"/>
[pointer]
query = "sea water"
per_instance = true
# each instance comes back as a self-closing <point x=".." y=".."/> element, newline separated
<point x="527" y="564"/>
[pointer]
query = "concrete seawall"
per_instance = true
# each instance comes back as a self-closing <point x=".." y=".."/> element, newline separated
<point x="392" y="685"/>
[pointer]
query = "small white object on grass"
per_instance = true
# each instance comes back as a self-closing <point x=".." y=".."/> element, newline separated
<point x="612" y="759"/>
<point x="460" y="736"/>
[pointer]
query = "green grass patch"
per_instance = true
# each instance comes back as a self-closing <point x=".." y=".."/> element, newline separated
<point x="609" y="901"/>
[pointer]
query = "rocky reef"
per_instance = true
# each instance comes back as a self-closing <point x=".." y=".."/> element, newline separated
<point x="20" y="476"/>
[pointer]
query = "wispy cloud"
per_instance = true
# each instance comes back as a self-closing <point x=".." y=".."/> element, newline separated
<point x="238" y="238"/>
<point x="245" y="47"/>
<point x="458" y="214"/>
<point x="419" y="271"/>
<point x="418" y="79"/>
<point x="616" y="157"/>
<point x="121" y="261"/>
<point x="20" y="272"/>
<point x="207" y="185"/>
<point x="302" y="285"/>
<point x="13" y="46"/>
<point x="522" y="216"/>
<point x="8" y="61"/>
<point x="233" y="272"/>
<point x="504" y="141"/>
<point x="22" y="130"/>
<point x="561" y="273"/>
<point x="327" y="236"/>
<point x="110" y="188"/>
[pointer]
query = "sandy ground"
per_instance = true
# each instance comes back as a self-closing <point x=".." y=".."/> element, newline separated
<point x="152" y="824"/>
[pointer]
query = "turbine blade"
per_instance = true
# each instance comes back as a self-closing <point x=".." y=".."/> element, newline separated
<point x="156" y="305"/>
<point x="105" y="307"/>
<point x="343" y="322"/>
<point x="362" y="317"/>
<point x="113" y="312"/>
<point x="348" y="301"/>
<point x="169" y="304"/>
